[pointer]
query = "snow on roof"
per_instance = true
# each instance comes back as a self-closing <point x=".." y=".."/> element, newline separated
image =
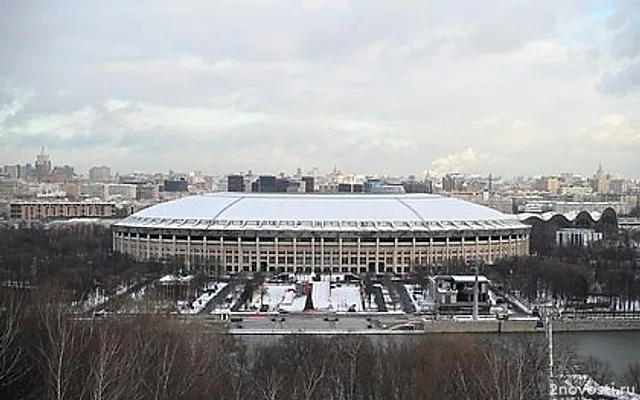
<point x="321" y="212"/>
<point x="469" y="278"/>
<point x="176" y="279"/>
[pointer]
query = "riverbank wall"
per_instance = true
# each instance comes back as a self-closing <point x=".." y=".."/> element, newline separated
<point x="522" y="326"/>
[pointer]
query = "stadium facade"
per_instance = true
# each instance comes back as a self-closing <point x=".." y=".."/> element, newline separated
<point x="249" y="232"/>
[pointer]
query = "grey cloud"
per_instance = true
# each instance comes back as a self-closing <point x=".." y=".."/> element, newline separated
<point x="627" y="43"/>
<point x="623" y="81"/>
<point x="417" y="72"/>
<point x="507" y="28"/>
<point x="76" y="141"/>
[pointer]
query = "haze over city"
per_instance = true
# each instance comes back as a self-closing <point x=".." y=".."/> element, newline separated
<point x="374" y="87"/>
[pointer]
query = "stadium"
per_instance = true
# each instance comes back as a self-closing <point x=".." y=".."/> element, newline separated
<point x="329" y="233"/>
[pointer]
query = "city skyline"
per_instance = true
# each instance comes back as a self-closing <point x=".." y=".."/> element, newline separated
<point x="302" y="171"/>
<point x="516" y="89"/>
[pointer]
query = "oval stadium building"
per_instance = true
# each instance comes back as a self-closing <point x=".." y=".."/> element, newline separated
<point x="303" y="233"/>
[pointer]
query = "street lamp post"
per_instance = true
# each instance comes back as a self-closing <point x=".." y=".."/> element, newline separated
<point x="550" y="347"/>
<point x="549" y="316"/>
<point x="475" y="263"/>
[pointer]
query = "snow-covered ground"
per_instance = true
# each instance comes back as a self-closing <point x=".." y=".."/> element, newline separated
<point x="346" y="296"/>
<point x="278" y="297"/>
<point x="328" y="294"/>
<point x="321" y="295"/>
<point x="99" y="297"/>
<point x="176" y="279"/>
<point x="273" y="296"/>
<point x="211" y="290"/>
<point x="293" y="303"/>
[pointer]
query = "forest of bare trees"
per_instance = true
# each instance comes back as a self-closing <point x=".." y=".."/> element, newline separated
<point x="46" y="352"/>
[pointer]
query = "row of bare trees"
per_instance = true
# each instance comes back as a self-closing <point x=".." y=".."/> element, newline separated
<point x="46" y="353"/>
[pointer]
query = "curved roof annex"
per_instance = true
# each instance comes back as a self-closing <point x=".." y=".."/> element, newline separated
<point x="261" y="211"/>
<point x="569" y="216"/>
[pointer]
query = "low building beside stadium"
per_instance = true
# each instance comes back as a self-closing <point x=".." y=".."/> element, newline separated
<point x="303" y="233"/>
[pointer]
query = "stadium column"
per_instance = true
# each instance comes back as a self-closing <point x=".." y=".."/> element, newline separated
<point x="395" y="253"/>
<point x="205" y="251"/>
<point x="160" y="245"/>
<point x="313" y="252"/>
<point x="340" y="252"/>
<point x="223" y="256"/>
<point x="359" y="252"/>
<point x="413" y="253"/>
<point x="174" y="246"/>
<point x="377" y="255"/>
<point x="188" y="255"/>
<point x="258" y="259"/>
<point x="430" y="254"/>
<point x="275" y="246"/>
<point x="295" y="254"/>
<point x="446" y="248"/>
<point x="511" y="245"/>
<point x="322" y="253"/>
<point x="490" y="258"/>
<point x="239" y="249"/>
<point x="137" y="246"/>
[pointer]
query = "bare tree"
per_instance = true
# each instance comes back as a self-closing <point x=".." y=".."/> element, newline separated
<point x="513" y="369"/>
<point x="11" y="353"/>
<point x="631" y="376"/>
<point x="267" y="375"/>
<point x="60" y="351"/>
<point x="111" y="363"/>
<point x="158" y="350"/>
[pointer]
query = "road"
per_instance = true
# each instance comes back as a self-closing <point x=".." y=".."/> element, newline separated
<point x="301" y="322"/>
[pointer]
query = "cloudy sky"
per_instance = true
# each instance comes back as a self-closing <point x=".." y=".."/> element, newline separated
<point x="372" y="86"/>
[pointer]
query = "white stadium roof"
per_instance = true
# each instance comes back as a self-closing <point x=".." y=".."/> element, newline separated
<point x="375" y="212"/>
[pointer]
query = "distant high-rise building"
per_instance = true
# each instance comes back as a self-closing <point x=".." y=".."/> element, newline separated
<point x="618" y="186"/>
<point x="372" y="185"/>
<point x="413" y="186"/>
<point x="43" y="166"/>
<point x="294" y="187"/>
<point x="453" y="183"/>
<point x="176" y="186"/>
<point x="350" y="188"/>
<point x="95" y="190"/>
<point x="63" y="173"/>
<point x="123" y="191"/>
<point x="13" y="171"/>
<point x="100" y="174"/>
<point x="282" y="185"/>
<point x="309" y="184"/>
<point x="235" y="183"/>
<point x="148" y="192"/>
<point x="264" y="184"/>
<point x="549" y="184"/>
